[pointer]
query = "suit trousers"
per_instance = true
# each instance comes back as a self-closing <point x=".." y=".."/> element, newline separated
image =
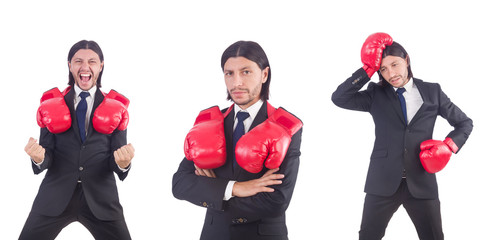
<point x="42" y="227"/>
<point x="378" y="210"/>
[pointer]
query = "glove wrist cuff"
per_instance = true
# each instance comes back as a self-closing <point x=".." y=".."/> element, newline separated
<point x="287" y="120"/>
<point x="450" y="143"/>
<point x="212" y="113"/>
<point x="368" y="70"/>
<point x="119" y="97"/>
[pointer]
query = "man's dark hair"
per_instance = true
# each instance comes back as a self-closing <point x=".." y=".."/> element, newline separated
<point x="396" y="50"/>
<point x="84" y="44"/>
<point x="253" y="52"/>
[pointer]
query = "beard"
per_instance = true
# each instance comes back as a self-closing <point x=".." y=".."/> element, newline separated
<point x="251" y="96"/>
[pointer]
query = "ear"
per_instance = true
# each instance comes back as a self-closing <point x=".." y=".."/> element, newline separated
<point x="69" y="66"/>
<point x="264" y="74"/>
<point x="102" y="65"/>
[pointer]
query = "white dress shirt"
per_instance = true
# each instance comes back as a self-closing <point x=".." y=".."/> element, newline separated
<point x="253" y="111"/>
<point x="413" y="99"/>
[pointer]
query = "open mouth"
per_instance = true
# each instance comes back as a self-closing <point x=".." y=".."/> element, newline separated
<point x="85" y="77"/>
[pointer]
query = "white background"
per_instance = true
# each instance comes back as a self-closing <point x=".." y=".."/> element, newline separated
<point x="165" y="57"/>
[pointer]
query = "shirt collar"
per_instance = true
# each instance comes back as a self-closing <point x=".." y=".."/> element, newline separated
<point x="408" y="86"/>
<point x="91" y="91"/>
<point x="252" y="110"/>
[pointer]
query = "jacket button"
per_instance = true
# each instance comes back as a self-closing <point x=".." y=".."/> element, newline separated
<point x="205" y="204"/>
<point x="239" y="220"/>
<point x="81" y="168"/>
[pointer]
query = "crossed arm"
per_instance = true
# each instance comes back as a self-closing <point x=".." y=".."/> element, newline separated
<point x="266" y="196"/>
<point x="251" y="187"/>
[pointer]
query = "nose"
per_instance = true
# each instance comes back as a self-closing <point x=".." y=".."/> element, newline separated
<point x="84" y="65"/>
<point x="237" y="80"/>
<point x="391" y="72"/>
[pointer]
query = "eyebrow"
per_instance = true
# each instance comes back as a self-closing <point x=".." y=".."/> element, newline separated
<point x="241" y="69"/>
<point x="390" y="63"/>
<point x="82" y="59"/>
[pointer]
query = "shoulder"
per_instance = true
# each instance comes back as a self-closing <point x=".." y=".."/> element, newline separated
<point x="374" y="87"/>
<point x="112" y="92"/>
<point x="228" y="110"/>
<point x="288" y="113"/>
<point x="52" y="90"/>
<point x="428" y="85"/>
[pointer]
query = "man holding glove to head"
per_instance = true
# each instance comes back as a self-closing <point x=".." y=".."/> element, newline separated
<point x="404" y="158"/>
<point x="82" y="144"/>
<point x="241" y="163"/>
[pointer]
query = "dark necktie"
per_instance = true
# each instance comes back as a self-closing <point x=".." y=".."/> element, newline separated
<point x="81" y="113"/>
<point x="239" y="131"/>
<point x="403" y="104"/>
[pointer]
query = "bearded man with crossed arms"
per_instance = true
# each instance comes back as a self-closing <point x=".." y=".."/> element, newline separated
<point x="245" y="186"/>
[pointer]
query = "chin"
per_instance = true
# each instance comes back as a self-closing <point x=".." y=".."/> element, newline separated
<point x="85" y="87"/>
<point x="397" y="85"/>
<point x="242" y="103"/>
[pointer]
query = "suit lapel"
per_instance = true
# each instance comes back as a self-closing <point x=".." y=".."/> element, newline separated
<point x="98" y="98"/>
<point x="226" y="170"/>
<point x="261" y="116"/>
<point x="69" y="100"/>
<point x="394" y="101"/>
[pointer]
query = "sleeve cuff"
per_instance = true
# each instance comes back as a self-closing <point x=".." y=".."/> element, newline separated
<point x="228" y="191"/>
<point x="37" y="164"/>
<point x="124" y="169"/>
<point x="451" y="144"/>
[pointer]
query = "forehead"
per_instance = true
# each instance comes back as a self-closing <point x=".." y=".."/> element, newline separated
<point x="239" y="63"/>
<point x="390" y="59"/>
<point x="85" y="54"/>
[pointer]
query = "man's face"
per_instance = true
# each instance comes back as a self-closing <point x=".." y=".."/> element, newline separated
<point x="243" y="79"/>
<point x="394" y="70"/>
<point x="85" y="67"/>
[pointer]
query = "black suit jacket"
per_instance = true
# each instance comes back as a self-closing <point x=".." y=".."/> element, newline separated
<point x="397" y="146"/>
<point x="69" y="160"/>
<point x="257" y="217"/>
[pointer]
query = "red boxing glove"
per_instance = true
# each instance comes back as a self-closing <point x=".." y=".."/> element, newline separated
<point x="205" y="144"/>
<point x="372" y="50"/>
<point x="267" y="142"/>
<point x="435" y="154"/>
<point x="112" y="113"/>
<point x="53" y="112"/>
